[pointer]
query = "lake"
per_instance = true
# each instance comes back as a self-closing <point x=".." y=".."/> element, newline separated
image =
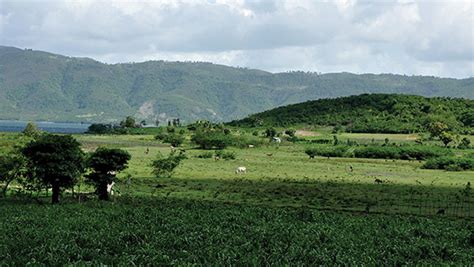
<point x="51" y="127"/>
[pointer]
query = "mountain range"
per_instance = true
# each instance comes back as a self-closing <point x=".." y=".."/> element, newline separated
<point x="36" y="85"/>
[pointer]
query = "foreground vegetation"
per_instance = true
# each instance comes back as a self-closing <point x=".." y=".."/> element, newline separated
<point x="180" y="200"/>
<point x="158" y="231"/>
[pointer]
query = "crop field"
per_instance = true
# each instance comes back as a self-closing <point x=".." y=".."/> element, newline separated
<point x="286" y="209"/>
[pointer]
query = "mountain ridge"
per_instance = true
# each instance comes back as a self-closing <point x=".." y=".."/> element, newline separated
<point x="37" y="85"/>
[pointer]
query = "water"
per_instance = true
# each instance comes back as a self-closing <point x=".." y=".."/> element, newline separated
<point x="51" y="127"/>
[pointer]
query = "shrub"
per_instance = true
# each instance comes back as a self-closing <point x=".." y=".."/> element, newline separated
<point x="174" y="139"/>
<point x="406" y="152"/>
<point x="206" y="155"/>
<point x="164" y="167"/>
<point x="450" y="163"/>
<point x="212" y="139"/>
<point x="335" y="151"/>
<point x="290" y="132"/>
<point x="227" y="155"/>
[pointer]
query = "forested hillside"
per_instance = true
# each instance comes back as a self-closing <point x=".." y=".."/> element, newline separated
<point x="376" y="113"/>
<point x="37" y="85"/>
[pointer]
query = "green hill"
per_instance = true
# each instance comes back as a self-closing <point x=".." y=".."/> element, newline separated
<point x="376" y="113"/>
<point x="37" y="85"/>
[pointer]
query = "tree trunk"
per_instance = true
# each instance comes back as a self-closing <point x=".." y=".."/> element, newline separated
<point x="102" y="191"/>
<point x="55" y="197"/>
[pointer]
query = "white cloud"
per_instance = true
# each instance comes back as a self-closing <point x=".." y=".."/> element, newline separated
<point x="404" y="36"/>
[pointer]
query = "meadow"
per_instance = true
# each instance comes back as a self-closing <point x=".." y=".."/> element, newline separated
<point x="287" y="209"/>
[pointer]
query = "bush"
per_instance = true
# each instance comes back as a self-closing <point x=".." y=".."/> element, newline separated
<point x="212" y="139"/>
<point x="227" y="155"/>
<point x="450" y="163"/>
<point x="164" y="167"/>
<point x="335" y="151"/>
<point x="206" y="155"/>
<point x="406" y="152"/>
<point x="174" y="139"/>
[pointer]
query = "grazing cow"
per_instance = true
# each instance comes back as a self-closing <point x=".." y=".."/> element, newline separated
<point x="241" y="170"/>
<point x="378" y="181"/>
<point x="251" y="146"/>
<point x="147" y="151"/>
<point x="441" y="212"/>
<point x="276" y="140"/>
<point x="269" y="154"/>
<point x="351" y="169"/>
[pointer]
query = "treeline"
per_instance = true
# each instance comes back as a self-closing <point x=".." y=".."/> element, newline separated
<point x="372" y="113"/>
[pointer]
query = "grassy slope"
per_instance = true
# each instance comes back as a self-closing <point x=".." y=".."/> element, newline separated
<point x="385" y="113"/>
<point x="37" y="85"/>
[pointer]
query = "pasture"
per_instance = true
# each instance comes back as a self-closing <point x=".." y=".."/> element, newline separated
<point x="286" y="209"/>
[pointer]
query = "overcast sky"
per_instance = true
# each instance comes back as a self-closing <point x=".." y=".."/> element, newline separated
<point x="404" y="36"/>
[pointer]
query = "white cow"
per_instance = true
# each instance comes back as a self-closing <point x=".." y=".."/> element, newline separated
<point x="276" y="139"/>
<point x="241" y="170"/>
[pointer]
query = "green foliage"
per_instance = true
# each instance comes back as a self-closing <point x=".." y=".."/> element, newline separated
<point x="11" y="168"/>
<point x="227" y="155"/>
<point x="369" y="113"/>
<point x="465" y="143"/>
<point x="31" y="130"/>
<point x="164" y="167"/>
<point x="403" y="152"/>
<point x="129" y="122"/>
<point x="79" y="89"/>
<point x="270" y="132"/>
<point x="100" y="128"/>
<point x="55" y="161"/>
<point x="163" y="232"/>
<point x="450" y="163"/>
<point x="105" y="163"/>
<point x="324" y="151"/>
<point x="206" y="155"/>
<point x="212" y="139"/>
<point x="290" y="132"/>
<point x="171" y="138"/>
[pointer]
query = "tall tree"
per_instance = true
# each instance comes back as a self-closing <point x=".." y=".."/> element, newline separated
<point x="11" y="168"/>
<point x="56" y="161"/>
<point x="105" y="163"/>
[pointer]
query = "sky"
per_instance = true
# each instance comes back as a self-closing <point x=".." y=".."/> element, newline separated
<point x="412" y="37"/>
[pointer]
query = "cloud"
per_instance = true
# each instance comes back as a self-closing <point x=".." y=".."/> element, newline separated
<point x="409" y="37"/>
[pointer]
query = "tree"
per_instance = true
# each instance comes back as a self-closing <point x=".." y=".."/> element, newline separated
<point x="436" y="128"/>
<point x="105" y="163"/>
<point x="290" y="132"/>
<point x="99" y="128"/>
<point x="446" y="137"/>
<point x="270" y="132"/>
<point x="31" y="130"/>
<point x="174" y="139"/>
<point x="164" y="167"/>
<point x="465" y="143"/>
<point x="11" y="168"/>
<point x="55" y="161"/>
<point x="129" y="122"/>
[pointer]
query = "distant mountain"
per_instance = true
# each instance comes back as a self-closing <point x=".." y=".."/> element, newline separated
<point x="36" y="85"/>
<point x="371" y="113"/>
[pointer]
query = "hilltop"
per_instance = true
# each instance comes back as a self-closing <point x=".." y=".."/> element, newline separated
<point x="376" y="113"/>
<point x="37" y="85"/>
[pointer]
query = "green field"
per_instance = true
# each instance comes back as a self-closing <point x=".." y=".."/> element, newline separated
<point x="287" y="209"/>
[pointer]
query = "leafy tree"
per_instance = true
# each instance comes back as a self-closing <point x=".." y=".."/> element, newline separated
<point x="270" y="132"/>
<point x="105" y="163"/>
<point x="290" y="132"/>
<point x="99" y="128"/>
<point x="174" y="139"/>
<point x="31" y="130"/>
<point x="465" y="143"/>
<point x="129" y="122"/>
<point x="446" y="137"/>
<point x="11" y="168"/>
<point x="436" y="128"/>
<point x="212" y="139"/>
<point x="55" y="161"/>
<point x="164" y="167"/>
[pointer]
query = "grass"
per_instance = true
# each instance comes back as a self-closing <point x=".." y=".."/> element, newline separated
<point x="157" y="231"/>
<point x="287" y="209"/>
